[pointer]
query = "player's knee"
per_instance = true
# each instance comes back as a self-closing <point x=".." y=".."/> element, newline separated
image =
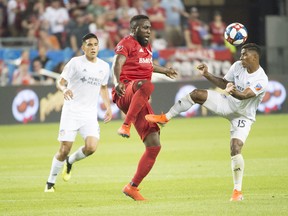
<point x="62" y="154"/>
<point x="63" y="151"/>
<point x="89" y="149"/>
<point x="236" y="146"/>
<point x="146" y="86"/>
<point x="199" y="96"/>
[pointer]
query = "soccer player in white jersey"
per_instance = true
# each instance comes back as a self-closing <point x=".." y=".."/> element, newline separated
<point x="83" y="79"/>
<point x="245" y="84"/>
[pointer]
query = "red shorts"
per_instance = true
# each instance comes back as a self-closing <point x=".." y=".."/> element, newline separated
<point x="143" y="127"/>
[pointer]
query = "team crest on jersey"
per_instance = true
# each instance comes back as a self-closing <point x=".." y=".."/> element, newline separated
<point x="119" y="48"/>
<point x="258" y="87"/>
<point x="61" y="132"/>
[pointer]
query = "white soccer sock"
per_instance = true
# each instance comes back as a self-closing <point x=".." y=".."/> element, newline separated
<point x="77" y="155"/>
<point x="182" y="105"/>
<point x="55" y="169"/>
<point x="237" y="165"/>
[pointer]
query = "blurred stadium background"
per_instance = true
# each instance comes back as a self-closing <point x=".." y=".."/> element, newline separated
<point x="30" y="113"/>
<point x="38" y="101"/>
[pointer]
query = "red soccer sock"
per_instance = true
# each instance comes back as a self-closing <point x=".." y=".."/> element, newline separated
<point x="138" y="101"/>
<point x="145" y="164"/>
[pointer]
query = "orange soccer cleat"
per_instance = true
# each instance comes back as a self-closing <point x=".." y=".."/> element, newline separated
<point x="133" y="192"/>
<point x="160" y="119"/>
<point x="124" y="130"/>
<point x="237" y="195"/>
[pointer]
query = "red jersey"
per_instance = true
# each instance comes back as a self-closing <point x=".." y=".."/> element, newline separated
<point x="157" y="25"/>
<point x="138" y="65"/>
<point x="195" y="28"/>
<point x="217" y="33"/>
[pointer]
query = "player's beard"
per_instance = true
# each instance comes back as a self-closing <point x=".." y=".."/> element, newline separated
<point x="142" y="41"/>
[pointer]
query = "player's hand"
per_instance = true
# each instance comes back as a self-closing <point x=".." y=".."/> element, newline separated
<point x="230" y="87"/>
<point x="171" y="73"/>
<point x="68" y="94"/>
<point x="203" y="69"/>
<point x="108" y="115"/>
<point x="120" y="89"/>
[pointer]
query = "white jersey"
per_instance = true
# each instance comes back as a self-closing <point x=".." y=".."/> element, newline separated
<point x="56" y="17"/>
<point x="256" y="81"/>
<point x="84" y="79"/>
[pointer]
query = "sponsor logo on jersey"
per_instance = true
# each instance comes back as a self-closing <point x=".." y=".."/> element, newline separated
<point x="145" y="60"/>
<point x="141" y="50"/>
<point x="83" y="79"/>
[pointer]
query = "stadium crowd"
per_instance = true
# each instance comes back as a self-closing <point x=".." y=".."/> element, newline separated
<point x="57" y="27"/>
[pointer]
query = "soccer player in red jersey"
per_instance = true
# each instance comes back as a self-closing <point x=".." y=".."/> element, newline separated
<point x="133" y="67"/>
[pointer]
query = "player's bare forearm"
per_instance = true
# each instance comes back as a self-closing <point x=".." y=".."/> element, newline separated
<point x="106" y="99"/>
<point x="117" y="65"/>
<point x="219" y="82"/>
<point x="118" y="62"/>
<point x="247" y="93"/>
<point x="169" y="72"/>
<point x="61" y="84"/>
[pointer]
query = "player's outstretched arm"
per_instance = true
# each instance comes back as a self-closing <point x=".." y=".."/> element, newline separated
<point x="219" y="82"/>
<point x="169" y="72"/>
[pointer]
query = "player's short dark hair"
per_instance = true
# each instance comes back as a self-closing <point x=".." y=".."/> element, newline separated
<point x="88" y="36"/>
<point x="253" y="47"/>
<point x="135" y="19"/>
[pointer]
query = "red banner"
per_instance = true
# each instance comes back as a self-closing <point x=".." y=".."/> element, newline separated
<point x="185" y="54"/>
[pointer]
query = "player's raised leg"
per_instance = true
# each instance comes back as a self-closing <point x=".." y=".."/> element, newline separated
<point x="181" y="105"/>
<point x="84" y="151"/>
<point x="142" y="90"/>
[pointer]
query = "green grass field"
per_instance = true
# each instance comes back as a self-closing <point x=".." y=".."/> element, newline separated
<point x="191" y="177"/>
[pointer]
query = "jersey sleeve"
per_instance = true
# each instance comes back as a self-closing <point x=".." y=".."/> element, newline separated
<point x="68" y="71"/>
<point x="230" y="74"/>
<point x="122" y="48"/>
<point x="259" y="86"/>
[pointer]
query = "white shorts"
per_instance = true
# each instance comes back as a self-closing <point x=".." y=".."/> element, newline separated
<point x="69" y="128"/>
<point x="222" y="105"/>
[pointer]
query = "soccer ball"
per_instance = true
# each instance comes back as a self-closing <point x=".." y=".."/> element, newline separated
<point x="236" y="34"/>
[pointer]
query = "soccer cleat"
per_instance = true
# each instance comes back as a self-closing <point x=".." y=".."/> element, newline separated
<point x="49" y="188"/>
<point x="66" y="173"/>
<point x="160" y="119"/>
<point x="237" y="195"/>
<point x="124" y="130"/>
<point x="133" y="192"/>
